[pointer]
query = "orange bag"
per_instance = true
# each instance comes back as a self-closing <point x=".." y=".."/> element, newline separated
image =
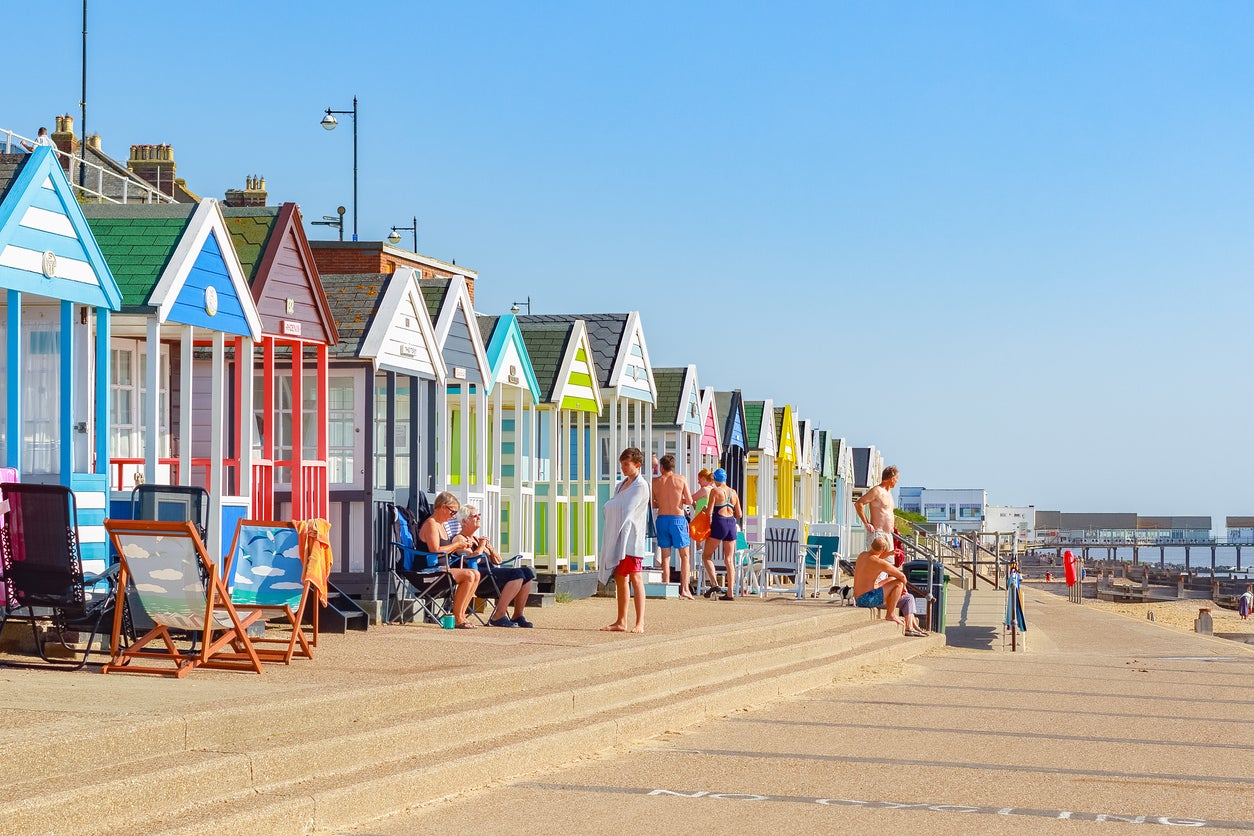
<point x="699" y="527"/>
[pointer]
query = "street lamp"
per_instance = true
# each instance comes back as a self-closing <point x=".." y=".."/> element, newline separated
<point x="332" y="220"/>
<point x="394" y="237"/>
<point x="517" y="306"/>
<point x="329" y="122"/>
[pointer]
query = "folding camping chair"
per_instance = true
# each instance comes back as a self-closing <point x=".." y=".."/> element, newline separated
<point x="741" y="559"/>
<point x="423" y="573"/>
<point x="166" y="561"/>
<point x="265" y="570"/>
<point x="782" y="556"/>
<point x="42" y="567"/>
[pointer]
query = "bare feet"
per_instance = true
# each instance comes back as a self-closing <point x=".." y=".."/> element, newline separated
<point x="614" y="628"/>
<point x="639" y="628"/>
<point x="896" y="619"/>
<point x="687" y="597"/>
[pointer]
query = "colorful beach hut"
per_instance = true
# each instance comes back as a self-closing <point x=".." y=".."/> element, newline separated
<point x="826" y="468"/>
<point x="787" y="454"/>
<point x="842" y="456"/>
<point x="730" y="407"/>
<point x="711" y="444"/>
<point x="289" y="472"/>
<point x="677" y="419"/>
<point x="462" y="404"/>
<point x="759" y="498"/>
<point x="385" y="373"/>
<point x="176" y="420"/>
<point x="566" y="512"/>
<point x="807" y="484"/>
<point x="55" y="287"/>
<point x="513" y="394"/>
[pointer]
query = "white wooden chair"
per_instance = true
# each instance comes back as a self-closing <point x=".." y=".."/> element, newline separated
<point x="782" y="556"/>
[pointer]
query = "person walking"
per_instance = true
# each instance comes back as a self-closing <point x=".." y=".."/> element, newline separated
<point x="670" y="499"/>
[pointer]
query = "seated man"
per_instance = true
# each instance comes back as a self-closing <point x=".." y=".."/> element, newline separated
<point x="514" y="582"/>
<point x="434" y="537"/>
<point x="878" y="583"/>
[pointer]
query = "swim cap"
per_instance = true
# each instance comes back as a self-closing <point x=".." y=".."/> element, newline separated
<point x="720" y="475"/>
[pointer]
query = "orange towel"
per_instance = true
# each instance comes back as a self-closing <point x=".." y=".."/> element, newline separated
<point x="315" y="548"/>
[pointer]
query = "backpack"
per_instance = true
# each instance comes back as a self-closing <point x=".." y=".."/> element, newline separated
<point x="406" y="527"/>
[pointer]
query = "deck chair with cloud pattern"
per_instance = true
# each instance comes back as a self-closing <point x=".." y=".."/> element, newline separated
<point x="265" y="570"/>
<point x="166" y="561"/>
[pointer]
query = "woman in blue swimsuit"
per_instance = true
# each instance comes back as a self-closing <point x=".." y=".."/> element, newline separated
<point x="724" y="509"/>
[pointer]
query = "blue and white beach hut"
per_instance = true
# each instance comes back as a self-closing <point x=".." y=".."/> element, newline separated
<point x="55" y="288"/>
<point x="182" y="288"/>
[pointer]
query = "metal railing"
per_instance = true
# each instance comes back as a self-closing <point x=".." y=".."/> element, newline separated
<point x="99" y="183"/>
<point x="959" y="551"/>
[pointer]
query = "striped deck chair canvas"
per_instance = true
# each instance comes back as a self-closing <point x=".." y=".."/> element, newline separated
<point x="166" y="561"/>
<point x="265" y="571"/>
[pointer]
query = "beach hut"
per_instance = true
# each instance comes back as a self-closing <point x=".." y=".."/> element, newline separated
<point x="730" y="407"/>
<point x="826" y="467"/>
<point x="677" y="419"/>
<point x="566" y="511"/>
<point x="759" y="497"/>
<point x="462" y="404"/>
<point x="711" y="444"/>
<point x="807" y="481"/>
<point x="621" y="359"/>
<point x="845" y="517"/>
<point x="177" y="420"/>
<point x="289" y="472"/>
<point x="513" y="393"/>
<point x="385" y="373"/>
<point x="55" y="287"/>
<point x="786" y="457"/>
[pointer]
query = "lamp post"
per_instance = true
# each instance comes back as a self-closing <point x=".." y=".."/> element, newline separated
<point x="329" y="122"/>
<point x="394" y="237"/>
<point x="517" y="306"/>
<point x="332" y="220"/>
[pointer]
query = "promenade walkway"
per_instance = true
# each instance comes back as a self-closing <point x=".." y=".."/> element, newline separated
<point x="1105" y="724"/>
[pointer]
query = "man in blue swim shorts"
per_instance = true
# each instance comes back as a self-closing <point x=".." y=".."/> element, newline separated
<point x="877" y="582"/>
<point x="670" y="496"/>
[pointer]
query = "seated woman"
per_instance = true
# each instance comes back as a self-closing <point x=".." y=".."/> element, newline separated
<point x="514" y="582"/>
<point x="434" y="538"/>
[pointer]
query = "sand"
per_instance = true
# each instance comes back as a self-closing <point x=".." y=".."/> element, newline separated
<point x="1179" y="615"/>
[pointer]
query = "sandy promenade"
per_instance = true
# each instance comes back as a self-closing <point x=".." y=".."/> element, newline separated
<point x="1175" y="615"/>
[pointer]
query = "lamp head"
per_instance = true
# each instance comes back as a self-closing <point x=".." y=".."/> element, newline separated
<point x="329" y="122"/>
<point x="514" y="309"/>
<point x="394" y="237"/>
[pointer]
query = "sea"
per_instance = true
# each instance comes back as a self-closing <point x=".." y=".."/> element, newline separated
<point x="1198" y="558"/>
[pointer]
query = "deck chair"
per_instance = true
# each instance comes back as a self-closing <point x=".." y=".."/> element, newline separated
<point x="168" y="503"/>
<point x="265" y="570"/>
<point x="782" y="556"/>
<point x="43" y="569"/>
<point x="419" y="575"/>
<point x="165" y="560"/>
<point x="825" y="559"/>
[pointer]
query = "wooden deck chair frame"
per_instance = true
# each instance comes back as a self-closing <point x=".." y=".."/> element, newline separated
<point x="298" y="643"/>
<point x="225" y="644"/>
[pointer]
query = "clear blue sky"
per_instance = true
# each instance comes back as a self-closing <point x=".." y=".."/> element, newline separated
<point x="1032" y="220"/>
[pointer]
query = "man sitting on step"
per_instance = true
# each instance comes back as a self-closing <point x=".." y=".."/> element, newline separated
<point x="878" y="583"/>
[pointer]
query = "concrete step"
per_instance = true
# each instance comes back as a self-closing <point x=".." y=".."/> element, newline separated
<point x="327" y="803"/>
<point x="213" y="760"/>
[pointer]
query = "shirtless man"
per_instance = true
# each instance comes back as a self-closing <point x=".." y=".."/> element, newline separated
<point x="670" y="495"/>
<point x="876" y="581"/>
<point x="879" y="501"/>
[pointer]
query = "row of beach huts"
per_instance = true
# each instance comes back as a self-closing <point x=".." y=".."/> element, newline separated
<point x="212" y="345"/>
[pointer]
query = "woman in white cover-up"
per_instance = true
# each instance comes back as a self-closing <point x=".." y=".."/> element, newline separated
<point x="624" y="539"/>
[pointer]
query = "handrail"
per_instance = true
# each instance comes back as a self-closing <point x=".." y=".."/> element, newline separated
<point x="143" y="193"/>
<point x="959" y="558"/>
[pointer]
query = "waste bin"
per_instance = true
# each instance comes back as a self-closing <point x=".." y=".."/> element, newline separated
<point x="917" y="574"/>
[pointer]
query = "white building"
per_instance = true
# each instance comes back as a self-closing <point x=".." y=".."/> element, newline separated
<point x="961" y="509"/>
<point x="1019" y="520"/>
